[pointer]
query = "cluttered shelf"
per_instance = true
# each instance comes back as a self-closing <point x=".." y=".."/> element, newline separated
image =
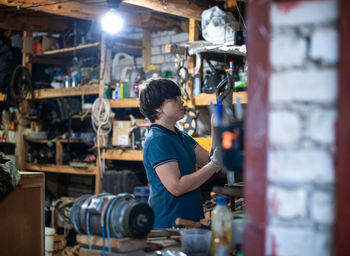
<point x="91" y="170"/>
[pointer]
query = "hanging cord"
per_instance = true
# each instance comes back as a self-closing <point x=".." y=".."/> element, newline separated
<point x="100" y="120"/>
<point x="21" y="85"/>
<point x="182" y="76"/>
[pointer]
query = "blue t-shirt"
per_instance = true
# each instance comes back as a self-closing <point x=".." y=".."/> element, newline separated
<point x="162" y="146"/>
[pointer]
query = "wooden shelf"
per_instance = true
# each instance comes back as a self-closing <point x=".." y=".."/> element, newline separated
<point x="71" y="51"/>
<point x="127" y="155"/>
<point x="204" y="99"/>
<point x="125" y="103"/>
<point x="61" y="169"/>
<point x="66" y="92"/>
<point x="74" y="140"/>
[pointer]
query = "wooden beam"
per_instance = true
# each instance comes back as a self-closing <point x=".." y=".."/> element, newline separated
<point x="32" y="23"/>
<point x="146" y="49"/>
<point x="92" y="12"/>
<point x="182" y="8"/>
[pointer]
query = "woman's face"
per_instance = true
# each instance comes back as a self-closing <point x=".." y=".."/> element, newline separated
<point x="173" y="109"/>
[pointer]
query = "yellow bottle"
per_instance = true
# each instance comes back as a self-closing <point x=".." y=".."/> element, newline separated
<point x="221" y="228"/>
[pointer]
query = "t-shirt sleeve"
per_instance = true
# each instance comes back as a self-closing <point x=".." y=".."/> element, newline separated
<point x="192" y="141"/>
<point x="160" y="151"/>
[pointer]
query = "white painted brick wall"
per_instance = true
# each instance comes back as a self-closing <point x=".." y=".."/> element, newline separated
<point x="322" y="207"/>
<point x="297" y="241"/>
<point x="287" y="203"/>
<point x="301" y="165"/>
<point x="295" y="13"/>
<point x="178" y="38"/>
<point x="138" y="61"/>
<point x="284" y="128"/>
<point x="157" y="59"/>
<point x="155" y="50"/>
<point x="304" y="85"/>
<point x="324" y="45"/>
<point x="160" y="40"/>
<point x="287" y="50"/>
<point x="320" y="125"/>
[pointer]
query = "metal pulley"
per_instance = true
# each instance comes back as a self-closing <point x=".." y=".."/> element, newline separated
<point x="119" y="215"/>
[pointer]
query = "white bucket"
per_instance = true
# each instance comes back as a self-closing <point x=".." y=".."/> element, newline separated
<point x="49" y="240"/>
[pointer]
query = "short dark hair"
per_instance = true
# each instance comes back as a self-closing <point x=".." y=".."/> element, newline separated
<point x="154" y="94"/>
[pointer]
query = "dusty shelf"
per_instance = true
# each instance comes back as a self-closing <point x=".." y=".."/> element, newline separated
<point x="127" y="155"/>
<point x="61" y="169"/>
<point x="66" y="92"/>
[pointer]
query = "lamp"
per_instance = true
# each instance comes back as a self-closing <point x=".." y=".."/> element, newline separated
<point x="112" y="22"/>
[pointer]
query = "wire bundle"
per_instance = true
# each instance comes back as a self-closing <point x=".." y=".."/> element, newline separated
<point x="100" y="120"/>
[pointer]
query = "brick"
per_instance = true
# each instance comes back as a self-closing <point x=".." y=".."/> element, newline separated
<point x="304" y="85"/>
<point x="320" y="125"/>
<point x="155" y="50"/>
<point x="322" y="207"/>
<point x="157" y="59"/>
<point x="287" y="203"/>
<point x="179" y="38"/>
<point x="288" y="240"/>
<point x="294" y="13"/>
<point x="169" y="58"/>
<point x="287" y="50"/>
<point x="324" y="45"/>
<point x="284" y="128"/>
<point x="138" y="61"/>
<point x="301" y="166"/>
<point x="160" y="40"/>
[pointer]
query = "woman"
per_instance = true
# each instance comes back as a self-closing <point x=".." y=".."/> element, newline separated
<point x="170" y="157"/>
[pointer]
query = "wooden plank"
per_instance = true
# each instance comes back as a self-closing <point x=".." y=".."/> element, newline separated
<point x="127" y="155"/>
<point x="146" y="49"/>
<point x="59" y="153"/>
<point x="75" y="140"/>
<point x="182" y="8"/>
<point x="81" y="10"/>
<point x="205" y="99"/>
<point x="65" y="92"/>
<point x="69" y="51"/>
<point x="125" y="103"/>
<point x="119" y="245"/>
<point x="61" y="169"/>
<point x="102" y="65"/>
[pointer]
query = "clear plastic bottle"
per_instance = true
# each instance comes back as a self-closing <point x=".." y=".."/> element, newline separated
<point x="221" y="228"/>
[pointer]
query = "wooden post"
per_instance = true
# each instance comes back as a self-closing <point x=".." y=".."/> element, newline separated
<point x="193" y="36"/>
<point x="146" y="48"/>
<point x="102" y="65"/>
<point x="59" y="153"/>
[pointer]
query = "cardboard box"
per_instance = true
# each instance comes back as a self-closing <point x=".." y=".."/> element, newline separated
<point x="121" y="133"/>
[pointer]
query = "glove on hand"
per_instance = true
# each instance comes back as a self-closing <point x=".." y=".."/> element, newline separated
<point x="216" y="159"/>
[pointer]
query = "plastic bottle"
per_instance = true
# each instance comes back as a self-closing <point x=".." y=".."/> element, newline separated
<point x="221" y="228"/>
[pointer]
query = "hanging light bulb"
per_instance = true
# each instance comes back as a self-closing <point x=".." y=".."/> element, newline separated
<point x="112" y="22"/>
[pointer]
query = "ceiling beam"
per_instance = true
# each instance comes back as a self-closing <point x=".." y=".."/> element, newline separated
<point x="33" y="23"/>
<point x="91" y="12"/>
<point x="183" y="8"/>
